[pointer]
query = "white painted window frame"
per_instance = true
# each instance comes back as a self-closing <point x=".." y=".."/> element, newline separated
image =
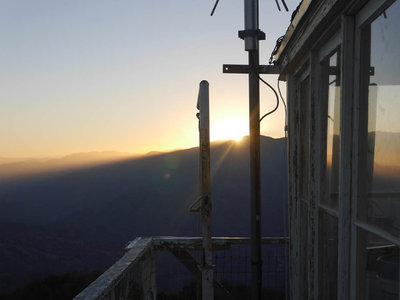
<point x="349" y="40"/>
<point x="321" y="72"/>
<point x="367" y="15"/>
<point x="349" y="37"/>
<point x="364" y="17"/>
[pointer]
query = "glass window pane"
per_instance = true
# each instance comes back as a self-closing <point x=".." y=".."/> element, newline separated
<point x="378" y="268"/>
<point x="328" y="253"/>
<point x="383" y="146"/>
<point x="333" y="130"/>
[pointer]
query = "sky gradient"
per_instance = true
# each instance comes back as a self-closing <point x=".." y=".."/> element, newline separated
<point x="96" y="75"/>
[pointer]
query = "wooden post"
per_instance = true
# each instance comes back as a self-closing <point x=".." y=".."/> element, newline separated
<point x="204" y="191"/>
<point x="294" y="205"/>
<point x="147" y="276"/>
<point x="315" y="172"/>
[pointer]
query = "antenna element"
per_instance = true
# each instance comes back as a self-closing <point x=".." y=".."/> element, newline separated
<point x="215" y="6"/>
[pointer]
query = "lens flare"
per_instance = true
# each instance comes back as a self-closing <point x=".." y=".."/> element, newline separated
<point x="229" y="129"/>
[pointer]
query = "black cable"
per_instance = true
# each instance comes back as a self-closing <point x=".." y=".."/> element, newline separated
<point x="283" y="101"/>
<point x="277" y="4"/>
<point x="276" y="95"/>
<point x="276" y="48"/>
<point x="284" y="4"/>
<point x="215" y="6"/>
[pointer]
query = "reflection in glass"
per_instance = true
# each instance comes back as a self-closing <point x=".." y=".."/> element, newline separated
<point x="378" y="263"/>
<point x="328" y="254"/>
<point x="333" y="130"/>
<point x="383" y="147"/>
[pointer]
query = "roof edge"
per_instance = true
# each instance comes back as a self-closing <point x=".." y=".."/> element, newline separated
<point x="301" y="10"/>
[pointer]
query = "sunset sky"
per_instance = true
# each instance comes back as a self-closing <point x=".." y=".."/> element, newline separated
<point x="96" y="75"/>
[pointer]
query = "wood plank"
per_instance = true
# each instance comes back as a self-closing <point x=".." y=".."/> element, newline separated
<point x="140" y="254"/>
<point x="204" y="189"/>
<point x="315" y="23"/>
<point x="294" y="203"/>
<point x="164" y="242"/>
<point x="316" y="162"/>
<point x="117" y="273"/>
<point x="187" y="260"/>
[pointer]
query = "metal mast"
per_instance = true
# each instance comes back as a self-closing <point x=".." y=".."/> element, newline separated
<point x="251" y="36"/>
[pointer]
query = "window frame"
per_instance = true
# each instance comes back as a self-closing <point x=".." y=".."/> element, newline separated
<point x="359" y="228"/>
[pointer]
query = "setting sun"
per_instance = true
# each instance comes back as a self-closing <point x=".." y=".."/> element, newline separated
<point x="229" y="129"/>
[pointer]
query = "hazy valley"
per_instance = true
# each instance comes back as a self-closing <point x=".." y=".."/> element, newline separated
<point x="80" y="219"/>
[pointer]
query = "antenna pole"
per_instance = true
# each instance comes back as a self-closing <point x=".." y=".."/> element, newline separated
<point x="251" y="36"/>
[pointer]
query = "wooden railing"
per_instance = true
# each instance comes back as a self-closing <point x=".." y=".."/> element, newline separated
<point x="134" y="275"/>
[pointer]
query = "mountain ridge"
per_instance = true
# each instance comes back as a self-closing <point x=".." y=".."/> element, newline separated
<point x="80" y="220"/>
<point x="17" y="168"/>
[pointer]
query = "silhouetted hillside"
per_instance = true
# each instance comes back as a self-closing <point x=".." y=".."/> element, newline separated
<point x="60" y="287"/>
<point x="25" y="167"/>
<point x="80" y="220"/>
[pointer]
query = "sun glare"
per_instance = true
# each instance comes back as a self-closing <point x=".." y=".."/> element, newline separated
<point x="229" y="129"/>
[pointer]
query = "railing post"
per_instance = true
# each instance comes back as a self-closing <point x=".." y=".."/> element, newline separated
<point x="204" y="191"/>
<point x="146" y="276"/>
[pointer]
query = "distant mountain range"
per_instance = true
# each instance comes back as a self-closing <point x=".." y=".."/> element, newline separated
<point x="78" y="213"/>
<point x="80" y="219"/>
<point x="23" y="167"/>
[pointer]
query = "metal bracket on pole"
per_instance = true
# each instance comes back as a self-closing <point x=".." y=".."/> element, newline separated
<point x="252" y="33"/>
<point x="245" y="69"/>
